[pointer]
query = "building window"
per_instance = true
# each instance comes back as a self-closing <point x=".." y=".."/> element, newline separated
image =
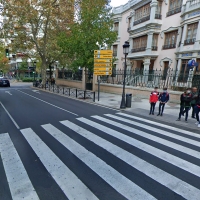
<point x="154" y="45"/>
<point x="142" y="14"/>
<point x="129" y="24"/>
<point x="174" y="7"/>
<point x="184" y="72"/>
<point x="116" y="26"/>
<point x="139" y="44"/>
<point x="115" y="50"/>
<point x="170" y="40"/>
<point x="191" y="34"/>
<point x="158" y="10"/>
<point x="194" y="2"/>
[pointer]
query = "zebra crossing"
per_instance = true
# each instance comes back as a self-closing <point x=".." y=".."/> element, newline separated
<point x="135" y="157"/>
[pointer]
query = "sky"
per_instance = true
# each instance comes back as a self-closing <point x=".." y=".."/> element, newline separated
<point x="115" y="3"/>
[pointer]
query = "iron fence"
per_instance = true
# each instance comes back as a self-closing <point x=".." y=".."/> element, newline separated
<point x="172" y="79"/>
<point x="71" y="92"/>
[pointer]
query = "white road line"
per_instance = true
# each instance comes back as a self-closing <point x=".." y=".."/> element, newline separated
<point x="8" y="92"/>
<point x="48" y="103"/>
<point x="178" y="186"/>
<point x="174" y="160"/>
<point x="152" y="137"/>
<point x="18" y="180"/>
<point x="65" y="178"/>
<point x="10" y="116"/>
<point x="162" y="125"/>
<point x="120" y="183"/>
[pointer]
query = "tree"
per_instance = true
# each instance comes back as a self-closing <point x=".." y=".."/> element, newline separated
<point x="4" y="66"/>
<point x="92" y="28"/>
<point x="33" y="26"/>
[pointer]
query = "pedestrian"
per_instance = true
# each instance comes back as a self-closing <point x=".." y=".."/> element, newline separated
<point x="163" y="99"/>
<point x="153" y="100"/>
<point x="197" y="109"/>
<point x="185" y="104"/>
<point x="193" y="102"/>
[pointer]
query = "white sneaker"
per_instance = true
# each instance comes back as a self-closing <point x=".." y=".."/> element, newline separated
<point x="196" y="123"/>
<point x="199" y="125"/>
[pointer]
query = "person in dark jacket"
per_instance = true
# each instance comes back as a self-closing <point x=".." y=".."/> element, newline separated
<point x="197" y="109"/>
<point x="193" y="102"/>
<point x="185" y="104"/>
<point x="163" y="99"/>
<point x="153" y="99"/>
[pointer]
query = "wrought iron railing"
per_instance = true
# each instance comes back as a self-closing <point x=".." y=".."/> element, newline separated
<point x="173" y="12"/>
<point x="158" y="16"/>
<point x="189" y="41"/>
<point x="169" y="46"/>
<point x="150" y="78"/>
<point x="138" y="49"/>
<point x="139" y="21"/>
<point x="154" y="48"/>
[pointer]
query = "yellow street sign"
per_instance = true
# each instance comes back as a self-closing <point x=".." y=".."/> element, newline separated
<point x="103" y="52"/>
<point x="103" y="60"/>
<point x="102" y="73"/>
<point x="103" y="56"/>
<point x="103" y="69"/>
<point x="102" y="64"/>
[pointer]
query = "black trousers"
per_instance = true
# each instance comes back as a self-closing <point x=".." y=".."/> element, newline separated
<point x="161" y="108"/>
<point x="184" y="110"/>
<point x="152" y="108"/>
<point x="193" y="110"/>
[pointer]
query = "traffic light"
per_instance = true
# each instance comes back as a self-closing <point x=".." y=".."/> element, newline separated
<point x="7" y="52"/>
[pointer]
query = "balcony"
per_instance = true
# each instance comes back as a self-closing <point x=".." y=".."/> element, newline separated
<point x="189" y="41"/>
<point x="138" y="49"/>
<point x="141" y="20"/>
<point x="173" y="12"/>
<point x="158" y="16"/>
<point x="169" y="46"/>
<point x="154" y="48"/>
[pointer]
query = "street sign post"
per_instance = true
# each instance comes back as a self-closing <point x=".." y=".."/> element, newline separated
<point x="102" y="64"/>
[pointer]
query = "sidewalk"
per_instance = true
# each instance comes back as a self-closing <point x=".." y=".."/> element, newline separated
<point x="141" y="107"/>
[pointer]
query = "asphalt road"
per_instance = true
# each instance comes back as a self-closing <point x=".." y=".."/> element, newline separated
<point x="56" y="148"/>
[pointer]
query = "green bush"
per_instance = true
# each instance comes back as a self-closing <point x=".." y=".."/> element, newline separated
<point x="27" y="79"/>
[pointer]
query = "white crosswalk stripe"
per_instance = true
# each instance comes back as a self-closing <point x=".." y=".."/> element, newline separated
<point x="110" y="175"/>
<point x="178" y="149"/>
<point x="18" y="180"/>
<point x="161" y="176"/>
<point x="74" y="189"/>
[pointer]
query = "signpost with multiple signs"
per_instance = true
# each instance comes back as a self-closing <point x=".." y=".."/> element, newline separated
<point x="102" y="64"/>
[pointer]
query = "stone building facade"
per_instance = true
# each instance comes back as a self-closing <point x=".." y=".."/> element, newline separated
<point x="163" y="34"/>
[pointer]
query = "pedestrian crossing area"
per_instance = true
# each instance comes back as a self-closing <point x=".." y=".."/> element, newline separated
<point x="113" y="156"/>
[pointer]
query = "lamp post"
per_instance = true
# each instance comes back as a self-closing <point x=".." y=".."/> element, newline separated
<point x="34" y="69"/>
<point x="125" y="51"/>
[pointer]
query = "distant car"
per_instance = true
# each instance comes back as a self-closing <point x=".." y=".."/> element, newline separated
<point x="4" y="82"/>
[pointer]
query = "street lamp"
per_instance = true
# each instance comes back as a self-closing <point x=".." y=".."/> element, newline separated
<point x="34" y="69"/>
<point x="125" y="51"/>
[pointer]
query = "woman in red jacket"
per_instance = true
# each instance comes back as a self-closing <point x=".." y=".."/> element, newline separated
<point x="153" y="99"/>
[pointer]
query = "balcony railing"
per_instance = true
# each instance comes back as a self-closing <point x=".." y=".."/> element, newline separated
<point x="138" y="49"/>
<point x="158" y="16"/>
<point x="141" y="20"/>
<point x="173" y="12"/>
<point x="154" y="48"/>
<point x="169" y="46"/>
<point x="189" y="41"/>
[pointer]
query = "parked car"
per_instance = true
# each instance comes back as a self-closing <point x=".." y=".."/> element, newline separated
<point x="4" y="82"/>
